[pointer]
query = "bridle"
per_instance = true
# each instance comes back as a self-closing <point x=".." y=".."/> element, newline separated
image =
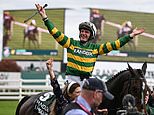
<point x="143" y="87"/>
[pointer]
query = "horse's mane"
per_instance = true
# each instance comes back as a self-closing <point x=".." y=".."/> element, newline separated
<point x="116" y="75"/>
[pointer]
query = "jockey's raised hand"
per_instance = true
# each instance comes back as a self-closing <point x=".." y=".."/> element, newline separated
<point x="136" y="32"/>
<point x="41" y="11"/>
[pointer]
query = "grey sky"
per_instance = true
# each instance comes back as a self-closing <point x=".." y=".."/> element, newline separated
<point x="129" y="5"/>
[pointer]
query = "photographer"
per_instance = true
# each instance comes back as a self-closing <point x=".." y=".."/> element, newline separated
<point x="129" y="107"/>
<point x="150" y="103"/>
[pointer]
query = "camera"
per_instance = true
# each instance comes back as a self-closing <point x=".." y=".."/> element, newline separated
<point x="129" y="107"/>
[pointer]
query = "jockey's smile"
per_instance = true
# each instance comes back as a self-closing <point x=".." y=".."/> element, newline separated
<point x="84" y="35"/>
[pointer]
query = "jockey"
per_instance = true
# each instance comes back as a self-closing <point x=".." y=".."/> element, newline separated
<point x="125" y="29"/>
<point x="31" y="26"/>
<point x="82" y="54"/>
<point x="84" y="26"/>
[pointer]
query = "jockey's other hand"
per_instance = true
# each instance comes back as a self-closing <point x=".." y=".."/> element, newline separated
<point x="136" y="32"/>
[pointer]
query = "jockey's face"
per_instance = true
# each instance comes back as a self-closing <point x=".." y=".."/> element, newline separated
<point x="75" y="93"/>
<point x="84" y="35"/>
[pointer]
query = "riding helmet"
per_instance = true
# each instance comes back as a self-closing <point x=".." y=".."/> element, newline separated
<point x="89" y="26"/>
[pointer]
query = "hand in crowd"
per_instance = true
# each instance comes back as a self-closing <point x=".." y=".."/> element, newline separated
<point x="49" y="64"/>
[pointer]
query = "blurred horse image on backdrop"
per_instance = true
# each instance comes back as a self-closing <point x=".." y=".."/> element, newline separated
<point x="31" y="33"/>
<point x="126" y="29"/>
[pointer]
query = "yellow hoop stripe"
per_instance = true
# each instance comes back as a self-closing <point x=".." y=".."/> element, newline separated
<point x="54" y="31"/>
<point x="80" y="59"/>
<point x="108" y="45"/>
<point x="80" y="68"/>
<point x="117" y="42"/>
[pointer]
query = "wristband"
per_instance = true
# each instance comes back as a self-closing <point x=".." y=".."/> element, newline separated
<point x="45" y="19"/>
<point x="131" y="36"/>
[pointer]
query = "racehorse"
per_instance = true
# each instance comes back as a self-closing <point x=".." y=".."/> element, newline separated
<point x="41" y="104"/>
<point x="129" y="81"/>
<point x="32" y="36"/>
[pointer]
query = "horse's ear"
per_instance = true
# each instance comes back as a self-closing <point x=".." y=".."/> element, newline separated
<point x="130" y="69"/>
<point x="144" y="67"/>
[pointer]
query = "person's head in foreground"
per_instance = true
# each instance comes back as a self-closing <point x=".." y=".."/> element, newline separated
<point x="72" y="90"/>
<point x="95" y="89"/>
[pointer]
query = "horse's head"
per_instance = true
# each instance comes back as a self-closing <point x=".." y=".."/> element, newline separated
<point x="137" y="86"/>
<point x="130" y="81"/>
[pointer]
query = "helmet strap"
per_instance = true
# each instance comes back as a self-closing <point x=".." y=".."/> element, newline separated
<point x="83" y="42"/>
